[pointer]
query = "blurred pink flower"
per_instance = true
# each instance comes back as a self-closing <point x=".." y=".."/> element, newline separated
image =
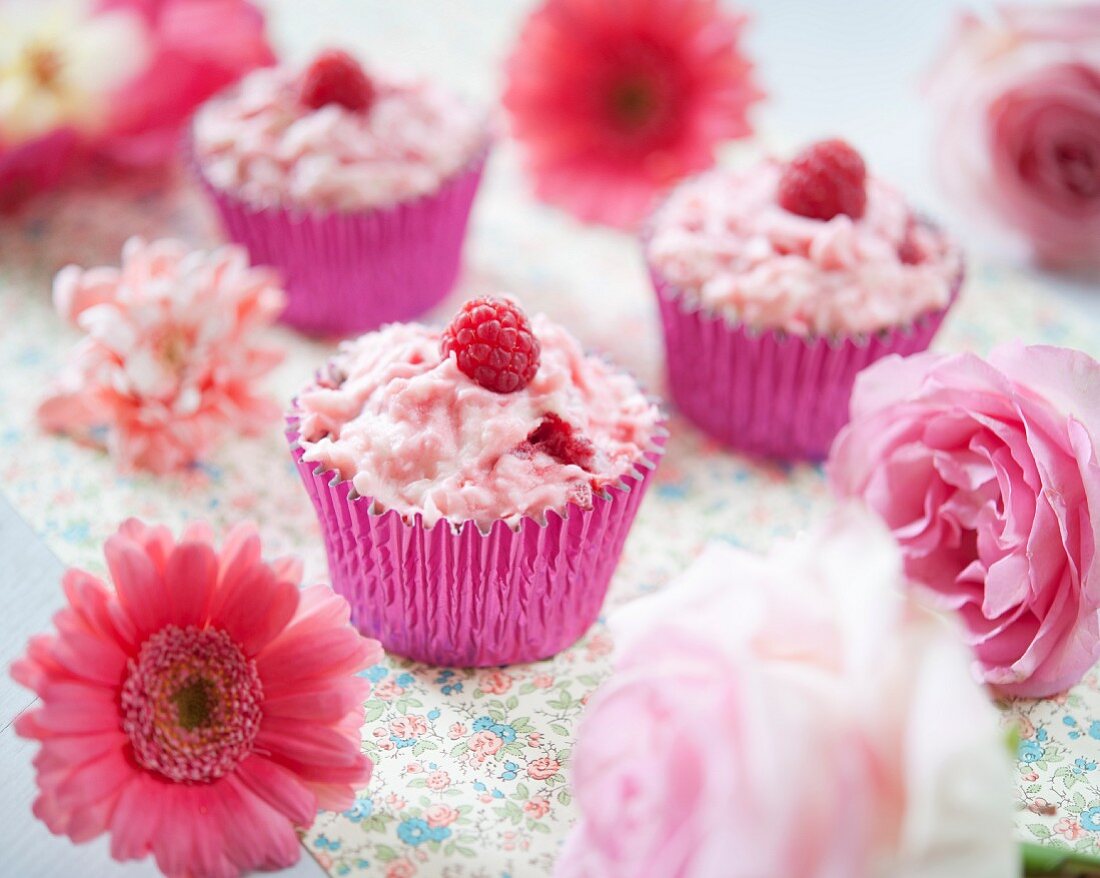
<point x="402" y="868"/>
<point x="537" y="807"/>
<point x="438" y="780"/>
<point x="785" y="717"/>
<point x="495" y="683"/>
<point x="169" y="361"/>
<point x="612" y="102"/>
<point x="988" y="474"/>
<point x="1017" y="98"/>
<point x="201" y="709"/>
<point x="197" y="48"/>
<point x="440" y="815"/>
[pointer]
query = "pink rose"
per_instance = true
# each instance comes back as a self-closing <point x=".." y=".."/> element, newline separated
<point x="783" y="716"/>
<point x="410" y="726"/>
<point x="542" y="681"/>
<point x="537" y="807"/>
<point x="988" y="474"/>
<point x="1069" y="829"/>
<point x="456" y="731"/>
<point x="484" y="744"/>
<point x="403" y="868"/>
<point x="495" y="683"/>
<point x="542" y="768"/>
<point x="1018" y="105"/>
<point x="440" y="815"/>
<point x="387" y="690"/>
<point x="438" y="780"/>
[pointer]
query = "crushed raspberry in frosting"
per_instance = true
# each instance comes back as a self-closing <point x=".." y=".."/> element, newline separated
<point x="724" y="239"/>
<point x="415" y="434"/>
<point x="262" y="143"/>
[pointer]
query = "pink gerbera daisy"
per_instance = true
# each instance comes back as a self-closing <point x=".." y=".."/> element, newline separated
<point x="201" y="710"/>
<point x="615" y="101"/>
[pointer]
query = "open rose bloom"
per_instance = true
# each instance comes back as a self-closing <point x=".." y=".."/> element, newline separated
<point x="1017" y="100"/>
<point x="783" y="716"/>
<point x="201" y="710"/>
<point x="170" y="359"/>
<point x="988" y="474"/>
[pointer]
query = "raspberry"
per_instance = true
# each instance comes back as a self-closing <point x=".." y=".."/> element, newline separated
<point x="335" y="77"/>
<point x="559" y="439"/>
<point x="825" y="179"/>
<point x="494" y="344"/>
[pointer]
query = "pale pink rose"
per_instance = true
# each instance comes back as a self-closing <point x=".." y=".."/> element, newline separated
<point x="537" y="807"/>
<point x="414" y="768"/>
<point x="440" y="815"/>
<point x="411" y="726"/>
<point x="438" y="780"/>
<point x="388" y="690"/>
<point x="1017" y="98"/>
<point x="542" y="768"/>
<point x="403" y="868"/>
<point x="542" y="681"/>
<point x="495" y="683"/>
<point x="170" y="358"/>
<point x="534" y="739"/>
<point x="783" y="716"/>
<point x="484" y="744"/>
<point x="988" y="474"/>
<point x="456" y="731"/>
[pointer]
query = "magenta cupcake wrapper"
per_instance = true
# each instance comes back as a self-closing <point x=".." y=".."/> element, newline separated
<point x="463" y="598"/>
<point x="346" y="273"/>
<point x="771" y="393"/>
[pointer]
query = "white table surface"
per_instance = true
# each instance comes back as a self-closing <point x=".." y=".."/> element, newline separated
<point x="848" y="67"/>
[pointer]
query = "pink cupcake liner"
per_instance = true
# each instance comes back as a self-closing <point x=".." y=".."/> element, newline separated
<point x="348" y="272"/>
<point x="768" y="392"/>
<point x="463" y="598"/>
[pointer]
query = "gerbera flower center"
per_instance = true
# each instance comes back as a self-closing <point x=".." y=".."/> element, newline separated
<point x="639" y="103"/>
<point x="191" y="704"/>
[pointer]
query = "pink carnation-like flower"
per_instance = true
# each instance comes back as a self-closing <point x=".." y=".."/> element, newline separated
<point x="196" y="48"/>
<point x="169" y="361"/>
<point x="202" y="709"/>
<point x="1018" y="103"/>
<point x="785" y="717"/>
<point x="988" y="474"/>
<point x="613" y="102"/>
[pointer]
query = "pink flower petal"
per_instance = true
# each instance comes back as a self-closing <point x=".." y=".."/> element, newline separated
<point x="279" y="788"/>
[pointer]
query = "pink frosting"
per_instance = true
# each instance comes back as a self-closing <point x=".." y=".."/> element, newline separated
<point x="262" y="143"/>
<point x="724" y="239"/>
<point x="414" y="433"/>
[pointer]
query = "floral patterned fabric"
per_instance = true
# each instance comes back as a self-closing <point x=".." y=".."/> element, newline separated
<point x="472" y="766"/>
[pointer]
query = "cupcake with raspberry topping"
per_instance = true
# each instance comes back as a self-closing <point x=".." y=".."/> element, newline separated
<point x="356" y="185"/>
<point x="474" y="484"/>
<point x="779" y="283"/>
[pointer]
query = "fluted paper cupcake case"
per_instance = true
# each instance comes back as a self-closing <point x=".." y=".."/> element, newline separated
<point x="454" y="596"/>
<point x="348" y="272"/>
<point x="771" y="393"/>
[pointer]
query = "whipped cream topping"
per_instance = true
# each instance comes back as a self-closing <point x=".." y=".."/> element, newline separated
<point x="415" y="434"/>
<point x="261" y="143"/>
<point x="723" y="239"/>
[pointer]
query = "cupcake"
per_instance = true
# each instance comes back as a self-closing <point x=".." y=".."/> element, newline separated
<point x="356" y="185"/>
<point x="474" y="485"/>
<point x="779" y="283"/>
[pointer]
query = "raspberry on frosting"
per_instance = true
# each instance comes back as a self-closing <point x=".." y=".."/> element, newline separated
<point x="825" y="179"/>
<point x="335" y="77"/>
<point x="494" y="344"/>
<point x="416" y="435"/>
